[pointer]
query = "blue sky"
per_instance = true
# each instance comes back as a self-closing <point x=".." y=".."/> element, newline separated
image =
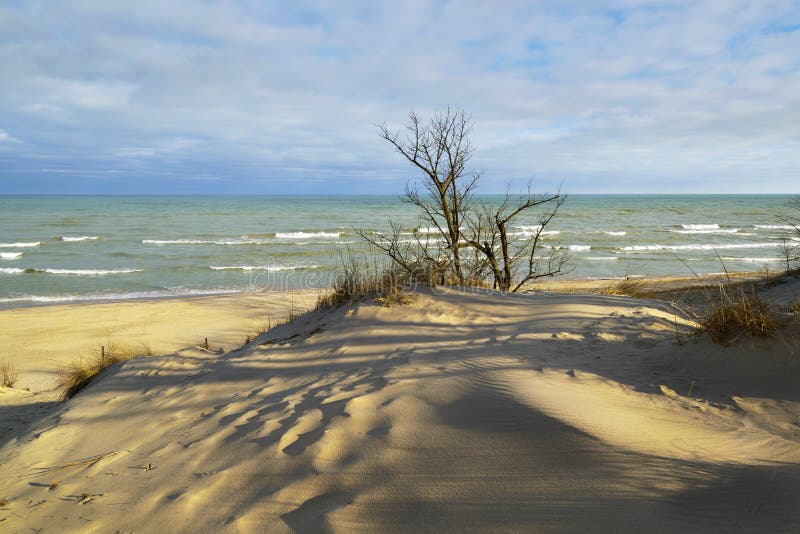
<point x="626" y="96"/>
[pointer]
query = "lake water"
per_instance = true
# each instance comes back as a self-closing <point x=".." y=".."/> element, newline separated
<point x="67" y="248"/>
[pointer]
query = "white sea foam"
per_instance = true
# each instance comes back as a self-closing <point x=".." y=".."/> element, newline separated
<point x="531" y="233"/>
<point x="307" y="235"/>
<point x="270" y="268"/>
<point x="615" y="233"/>
<point x="20" y="245"/>
<point x="203" y="242"/>
<point x="10" y="255"/>
<point x="579" y="248"/>
<point x="753" y="260"/>
<point x="774" y="226"/>
<point x="76" y="272"/>
<point x="662" y="248"/>
<point x="700" y="226"/>
<point x="81" y="238"/>
<point x="708" y="231"/>
<point x="120" y="296"/>
<point x="88" y="272"/>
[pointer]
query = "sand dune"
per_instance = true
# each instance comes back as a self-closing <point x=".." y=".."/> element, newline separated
<point x="460" y="412"/>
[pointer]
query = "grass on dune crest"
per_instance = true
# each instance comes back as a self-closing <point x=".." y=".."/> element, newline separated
<point x="358" y="279"/>
<point x="83" y="371"/>
<point x="628" y="288"/>
<point x="8" y="374"/>
<point x="736" y="313"/>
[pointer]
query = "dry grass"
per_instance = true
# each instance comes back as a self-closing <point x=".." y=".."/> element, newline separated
<point x="628" y="288"/>
<point x="82" y="372"/>
<point x="358" y="279"/>
<point x="8" y="374"/>
<point x="736" y="312"/>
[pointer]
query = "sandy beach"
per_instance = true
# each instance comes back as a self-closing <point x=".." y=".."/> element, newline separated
<point x="463" y="411"/>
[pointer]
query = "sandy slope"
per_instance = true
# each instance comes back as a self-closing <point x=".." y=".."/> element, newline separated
<point x="461" y="412"/>
<point x="40" y="341"/>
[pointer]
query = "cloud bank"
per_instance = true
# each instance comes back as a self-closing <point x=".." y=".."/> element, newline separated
<point x="250" y="96"/>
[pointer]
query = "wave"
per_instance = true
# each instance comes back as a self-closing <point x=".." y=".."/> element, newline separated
<point x="700" y="226"/>
<point x="659" y="248"/>
<point x="615" y="233"/>
<point x="579" y="248"/>
<point x="203" y="242"/>
<point x="707" y="231"/>
<point x="120" y="296"/>
<point x="753" y="260"/>
<point x="528" y="233"/>
<point x="76" y="272"/>
<point x="774" y="226"/>
<point x="601" y="258"/>
<point x="20" y="245"/>
<point x="270" y="268"/>
<point x="307" y="235"/>
<point x="81" y="238"/>
<point x="10" y="255"/>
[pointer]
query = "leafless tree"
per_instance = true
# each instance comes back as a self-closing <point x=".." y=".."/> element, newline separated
<point x="512" y="256"/>
<point x="789" y="249"/>
<point x="441" y="150"/>
<point x="474" y="242"/>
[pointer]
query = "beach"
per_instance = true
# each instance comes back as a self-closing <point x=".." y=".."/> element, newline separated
<point x="465" y="410"/>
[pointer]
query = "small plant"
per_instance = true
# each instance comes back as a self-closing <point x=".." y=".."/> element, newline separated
<point x="627" y="288"/>
<point x="396" y="298"/>
<point x="358" y="279"/>
<point x="730" y="316"/>
<point x="8" y="374"/>
<point x="82" y="372"/>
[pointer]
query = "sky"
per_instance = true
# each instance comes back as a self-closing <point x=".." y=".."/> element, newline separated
<point x="606" y="96"/>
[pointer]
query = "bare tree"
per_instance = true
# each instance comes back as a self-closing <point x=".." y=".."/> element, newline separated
<point x="441" y="150"/>
<point x="789" y="249"/>
<point x="512" y="256"/>
<point x="475" y="242"/>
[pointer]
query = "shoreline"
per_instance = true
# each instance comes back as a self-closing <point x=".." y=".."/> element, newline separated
<point x="563" y="283"/>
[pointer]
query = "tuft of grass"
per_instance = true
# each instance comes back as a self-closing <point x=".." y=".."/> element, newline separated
<point x="794" y="310"/>
<point x="358" y="279"/>
<point x="8" y="374"/>
<point x="627" y="288"/>
<point x="731" y="315"/>
<point x="82" y="372"/>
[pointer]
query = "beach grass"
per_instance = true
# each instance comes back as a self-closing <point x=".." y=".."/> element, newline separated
<point x="8" y="374"/>
<point x="83" y="371"/>
<point x="359" y="279"/>
<point x="628" y="288"/>
<point x="736" y="312"/>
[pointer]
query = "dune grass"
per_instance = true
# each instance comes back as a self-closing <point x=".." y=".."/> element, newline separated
<point x="733" y="313"/>
<point x="8" y="374"/>
<point x="359" y="279"/>
<point x="83" y="371"/>
<point x="627" y="288"/>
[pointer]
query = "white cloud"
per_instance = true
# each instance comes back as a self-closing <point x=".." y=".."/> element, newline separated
<point x="5" y="137"/>
<point x="597" y="93"/>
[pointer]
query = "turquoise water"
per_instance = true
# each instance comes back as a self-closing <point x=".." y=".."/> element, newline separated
<point x="63" y="248"/>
